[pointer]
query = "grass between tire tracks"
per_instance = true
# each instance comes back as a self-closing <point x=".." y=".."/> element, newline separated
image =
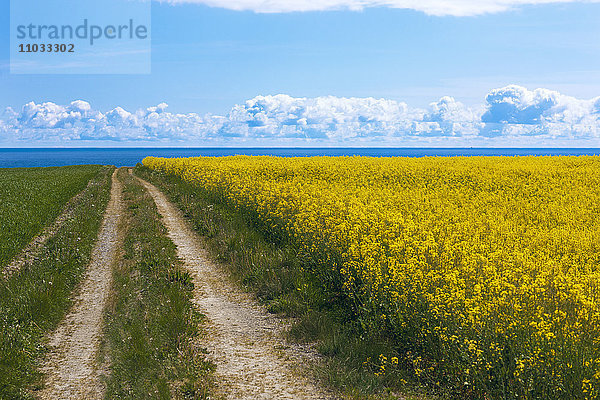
<point x="151" y="325"/>
<point x="35" y="299"/>
<point x="278" y="275"/>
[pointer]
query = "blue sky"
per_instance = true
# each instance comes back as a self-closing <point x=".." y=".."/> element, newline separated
<point x="209" y="59"/>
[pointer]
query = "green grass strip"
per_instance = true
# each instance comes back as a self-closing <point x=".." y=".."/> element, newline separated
<point x="32" y="198"/>
<point x="151" y="325"/>
<point x="35" y="299"/>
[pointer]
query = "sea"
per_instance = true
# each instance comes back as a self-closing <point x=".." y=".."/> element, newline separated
<point x="48" y="157"/>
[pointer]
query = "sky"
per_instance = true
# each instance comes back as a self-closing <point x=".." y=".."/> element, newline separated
<point x="511" y="73"/>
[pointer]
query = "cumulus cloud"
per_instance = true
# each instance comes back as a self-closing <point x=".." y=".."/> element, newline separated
<point x="460" y="8"/>
<point x="318" y="118"/>
<point x="511" y="115"/>
<point x="78" y="121"/>
<point x="448" y="117"/>
<point x="541" y="111"/>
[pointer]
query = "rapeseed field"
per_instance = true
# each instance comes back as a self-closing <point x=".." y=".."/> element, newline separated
<point x="483" y="270"/>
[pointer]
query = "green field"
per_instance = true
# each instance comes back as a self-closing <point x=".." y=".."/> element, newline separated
<point x="34" y="299"/>
<point x="31" y="198"/>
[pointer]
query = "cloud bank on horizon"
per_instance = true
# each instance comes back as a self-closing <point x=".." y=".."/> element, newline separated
<point x="460" y="8"/>
<point x="510" y="116"/>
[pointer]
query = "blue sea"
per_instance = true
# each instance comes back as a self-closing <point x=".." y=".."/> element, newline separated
<point x="12" y="158"/>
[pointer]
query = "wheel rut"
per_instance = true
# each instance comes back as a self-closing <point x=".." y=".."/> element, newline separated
<point x="71" y="368"/>
<point x="243" y="339"/>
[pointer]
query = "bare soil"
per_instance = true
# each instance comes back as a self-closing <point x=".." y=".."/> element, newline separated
<point x="245" y="342"/>
<point x="71" y="368"/>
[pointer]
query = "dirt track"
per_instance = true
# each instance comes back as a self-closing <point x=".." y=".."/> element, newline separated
<point x="243" y="340"/>
<point x="71" y="367"/>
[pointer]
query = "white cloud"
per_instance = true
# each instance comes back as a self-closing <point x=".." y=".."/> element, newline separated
<point x="459" y="8"/>
<point x="449" y="117"/>
<point x="541" y="111"/>
<point x="512" y="115"/>
<point x="318" y="118"/>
